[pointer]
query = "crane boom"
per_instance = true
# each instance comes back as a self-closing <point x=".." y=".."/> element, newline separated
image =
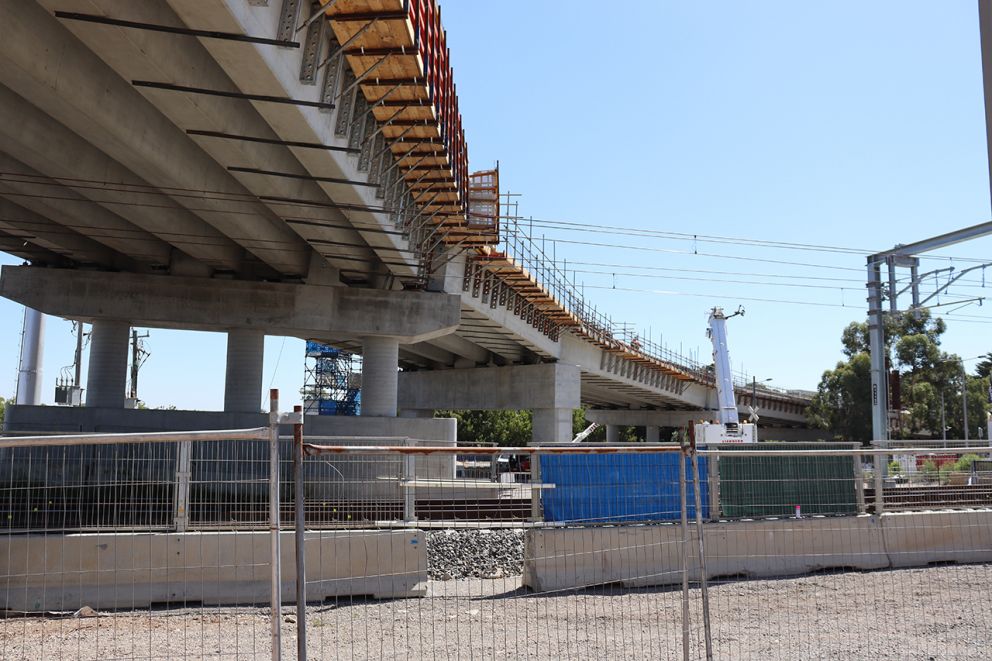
<point x="721" y="364"/>
<point x="729" y="428"/>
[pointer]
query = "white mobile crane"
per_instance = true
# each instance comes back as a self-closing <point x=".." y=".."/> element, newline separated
<point x="728" y="429"/>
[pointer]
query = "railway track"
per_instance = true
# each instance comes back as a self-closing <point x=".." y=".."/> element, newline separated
<point x="932" y="497"/>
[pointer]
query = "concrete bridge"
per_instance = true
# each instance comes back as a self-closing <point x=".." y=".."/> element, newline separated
<point x="295" y="168"/>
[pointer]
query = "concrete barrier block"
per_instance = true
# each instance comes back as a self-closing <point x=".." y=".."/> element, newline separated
<point x="916" y="539"/>
<point x="788" y="547"/>
<point x="651" y="555"/>
<point x="136" y="570"/>
<point x="569" y="558"/>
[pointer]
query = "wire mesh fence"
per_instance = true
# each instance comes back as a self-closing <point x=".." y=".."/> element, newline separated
<point x="161" y="546"/>
<point x="779" y="553"/>
<point x="121" y="546"/>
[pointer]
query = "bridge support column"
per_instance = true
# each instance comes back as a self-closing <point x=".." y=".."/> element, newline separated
<point x="652" y="433"/>
<point x="32" y="352"/>
<point x="612" y="433"/>
<point x="551" y="426"/>
<point x="107" y="376"/>
<point x="380" y="376"/>
<point x="243" y="382"/>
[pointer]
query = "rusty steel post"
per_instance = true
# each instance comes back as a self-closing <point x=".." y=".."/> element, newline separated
<point x="274" y="550"/>
<point x="299" y="520"/>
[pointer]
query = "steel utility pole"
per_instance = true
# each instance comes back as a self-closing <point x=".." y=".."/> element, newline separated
<point x="943" y="422"/>
<point x="138" y="354"/>
<point x="902" y="256"/>
<point x="964" y="398"/>
<point x="77" y="361"/>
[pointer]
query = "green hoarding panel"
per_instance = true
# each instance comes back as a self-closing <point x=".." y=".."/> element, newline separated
<point x="756" y="487"/>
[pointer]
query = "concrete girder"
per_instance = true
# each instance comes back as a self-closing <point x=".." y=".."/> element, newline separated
<point x="512" y="326"/>
<point x="267" y="70"/>
<point x="304" y="311"/>
<point x="57" y="203"/>
<point x="45" y="145"/>
<point x="142" y="55"/>
<point x="646" y="417"/>
<point x="459" y="346"/>
<point x="20" y="221"/>
<point x="515" y="387"/>
<point x="25" y="249"/>
<point x="428" y="351"/>
<point x="604" y="394"/>
<point x="87" y="96"/>
<point x="662" y="418"/>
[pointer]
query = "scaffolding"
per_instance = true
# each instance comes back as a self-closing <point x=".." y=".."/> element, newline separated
<point x="332" y="384"/>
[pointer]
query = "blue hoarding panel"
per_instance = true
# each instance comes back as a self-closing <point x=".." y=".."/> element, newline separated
<point x="618" y="488"/>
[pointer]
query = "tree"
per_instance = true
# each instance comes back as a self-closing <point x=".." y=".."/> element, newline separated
<point x="984" y="368"/>
<point x="504" y="428"/>
<point x="842" y="402"/>
<point x="3" y="410"/>
<point x="912" y="344"/>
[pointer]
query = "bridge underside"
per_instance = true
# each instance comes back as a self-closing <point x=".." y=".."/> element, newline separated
<point x="139" y="152"/>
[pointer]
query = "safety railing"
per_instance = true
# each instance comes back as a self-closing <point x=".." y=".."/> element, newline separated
<point x="142" y="546"/>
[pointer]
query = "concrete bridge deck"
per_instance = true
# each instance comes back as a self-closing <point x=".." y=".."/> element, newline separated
<point x="146" y="166"/>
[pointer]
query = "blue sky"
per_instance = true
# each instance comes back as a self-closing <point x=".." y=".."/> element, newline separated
<point x="848" y="124"/>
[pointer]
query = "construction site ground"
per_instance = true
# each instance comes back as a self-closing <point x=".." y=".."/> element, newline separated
<point x="929" y="613"/>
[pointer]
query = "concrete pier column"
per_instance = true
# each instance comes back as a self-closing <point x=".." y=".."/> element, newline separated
<point x="243" y="381"/>
<point x="551" y="426"/>
<point x="652" y="433"/>
<point x="380" y="376"/>
<point x="32" y="351"/>
<point x="106" y="379"/>
<point x="612" y="433"/>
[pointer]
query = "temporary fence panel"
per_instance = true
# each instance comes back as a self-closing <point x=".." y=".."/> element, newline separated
<point x="616" y="488"/>
<point x="764" y="486"/>
<point x="98" y="558"/>
<point x="462" y="556"/>
<point x="442" y="576"/>
<point x="800" y="585"/>
<point x="805" y="586"/>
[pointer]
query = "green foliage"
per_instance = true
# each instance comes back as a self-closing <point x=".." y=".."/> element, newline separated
<point x="963" y="464"/>
<point x="842" y="402"/>
<point x="3" y="410"/>
<point x="945" y="472"/>
<point x="895" y="467"/>
<point x="507" y="428"/>
<point x="929" y="469"/>
<point x="984" y="367"/>
<point x="504" y="428"/>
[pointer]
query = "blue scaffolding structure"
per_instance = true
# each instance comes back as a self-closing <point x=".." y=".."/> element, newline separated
<point x="333" y="381"/>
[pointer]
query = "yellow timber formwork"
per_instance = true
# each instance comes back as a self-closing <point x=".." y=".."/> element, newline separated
<point x="393" y="49"/>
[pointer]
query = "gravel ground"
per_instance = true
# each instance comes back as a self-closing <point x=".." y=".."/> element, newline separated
<point x="474" y="553"/>
<point x="925" y="614"/>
